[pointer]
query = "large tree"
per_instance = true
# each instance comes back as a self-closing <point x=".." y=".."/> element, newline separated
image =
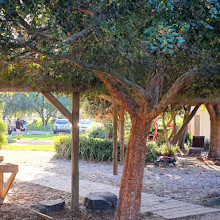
<point x="145" y="52"/>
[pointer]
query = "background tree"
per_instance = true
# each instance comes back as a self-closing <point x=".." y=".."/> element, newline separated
<point x="14" y="104"/>
<point x="145" y="52"/>
<point x="19" y="104"/>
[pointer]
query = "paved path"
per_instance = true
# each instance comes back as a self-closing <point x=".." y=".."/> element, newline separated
<point x="162" y="206"/>
<point x="27" y="141"/>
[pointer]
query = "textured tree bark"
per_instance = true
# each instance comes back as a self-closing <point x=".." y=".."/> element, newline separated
<point x="131" y="183"/>
<point x="182" y="139"/>
<point x="214" y="149"/>
<point x="179" y="134"/>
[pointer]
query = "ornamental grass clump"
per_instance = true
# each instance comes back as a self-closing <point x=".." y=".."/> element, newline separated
<point x="164" y="150"/>
<point x="3" y="129"/>
<point x="62" y="145"/>
<point x="89" y="149"/>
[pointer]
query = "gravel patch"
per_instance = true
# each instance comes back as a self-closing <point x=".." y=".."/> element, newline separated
<point x="190" y="181"/>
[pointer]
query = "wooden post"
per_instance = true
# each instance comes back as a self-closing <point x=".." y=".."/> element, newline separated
<point x="115" y="150"/>
<point x="1" y="183"/>
<point x="122" y="128"/>
<point x="75" y="152"/>
<point x="8" y="185"/>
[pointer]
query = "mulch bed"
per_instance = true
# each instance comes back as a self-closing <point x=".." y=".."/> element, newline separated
<point x="22" y="196"/>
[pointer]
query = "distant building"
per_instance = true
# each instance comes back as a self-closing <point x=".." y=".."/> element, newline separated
<point x="200" y="124"/>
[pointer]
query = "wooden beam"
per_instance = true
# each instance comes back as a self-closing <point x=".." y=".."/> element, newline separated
<point x="122" y="128"/>
<point x="43" y="216"/>
<point x="75" y="152"/>
<point x="175" y="101"/>
<point x="115" y="150"/>
<point x="195" y="101"/>
<point x="8" y="185"/>
<point x="1" y="184"/>
<point x="37" y="86"/>
<point x="58" y="105"/>
<point x="8" y="168"/>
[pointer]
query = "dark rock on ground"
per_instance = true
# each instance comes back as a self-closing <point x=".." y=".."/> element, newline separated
<point x="50" y="205"/>
<point x="213" y="202"/>
<point x="101" y="201"/>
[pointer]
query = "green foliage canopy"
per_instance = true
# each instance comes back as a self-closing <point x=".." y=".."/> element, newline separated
<point x="132" y="38"/>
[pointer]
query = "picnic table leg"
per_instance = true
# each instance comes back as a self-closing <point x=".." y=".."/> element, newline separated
<point x="8" y="184"/>
<point x="1" y="187"/>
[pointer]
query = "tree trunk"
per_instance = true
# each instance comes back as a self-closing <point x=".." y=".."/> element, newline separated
<point x="182" y="139"/>
<point x="165" y="131"/>
<point x="185" y="123"/>
<point x="43" y="119"/>
<point x="130" y="191"/>
<point x="214" y="149"/>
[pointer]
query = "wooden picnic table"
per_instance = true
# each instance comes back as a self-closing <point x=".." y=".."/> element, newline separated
<point x="6" y="168"/>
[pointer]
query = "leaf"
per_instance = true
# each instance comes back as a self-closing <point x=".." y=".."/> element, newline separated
<point x="188" y="26"/>
<point x="179" y="38"/>
<point x="170" y="40"/>
<point x="175" y="34"/>
<point x="207" y="26"/>
<point x="162" y="45"/>
<point x="181" y="41"/>
<point x="147" y="42"/>
<point x="170" y="45"/>
<point x="170" y="51"/>
<point x="153" y="48"/>
<point x="160" y="39"/>
<point x="164" y="49"/>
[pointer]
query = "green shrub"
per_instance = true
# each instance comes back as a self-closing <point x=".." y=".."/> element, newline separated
<point x="90" y="148"/>
<point x="96" y="131"/>
<point x="100" y="131"/>
<point x="3" y="129"/>
<point x="62" y="145"/>
<point x="96" y="148"/>
<point x="163" y="150"/>
<point x="151" y="153"/>
<point x="188" y="139"/>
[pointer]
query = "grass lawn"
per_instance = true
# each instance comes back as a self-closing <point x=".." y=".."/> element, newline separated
<point x="37" y="136"/>
<point x="30" y="147"/>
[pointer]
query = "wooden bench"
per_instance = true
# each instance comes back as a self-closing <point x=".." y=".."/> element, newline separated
<point x="6" y="168"/>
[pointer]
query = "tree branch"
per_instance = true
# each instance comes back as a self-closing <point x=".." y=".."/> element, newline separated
<point x="80" y="35"/>
<point x="120" y="93"/>
<point x="16" y="17"/>
<point x="180" y="83"/>
<point x="186" y="122"/>
<point x="86" y="10"/>
<point x="211" y="110"/>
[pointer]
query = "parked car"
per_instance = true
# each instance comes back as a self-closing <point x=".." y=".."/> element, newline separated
<point x="62" y="125"/>
<point x="84" y="124"/>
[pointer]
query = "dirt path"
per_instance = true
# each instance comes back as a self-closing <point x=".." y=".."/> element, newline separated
<point x="32" y="142"/>
<point x="190" y="180"/>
